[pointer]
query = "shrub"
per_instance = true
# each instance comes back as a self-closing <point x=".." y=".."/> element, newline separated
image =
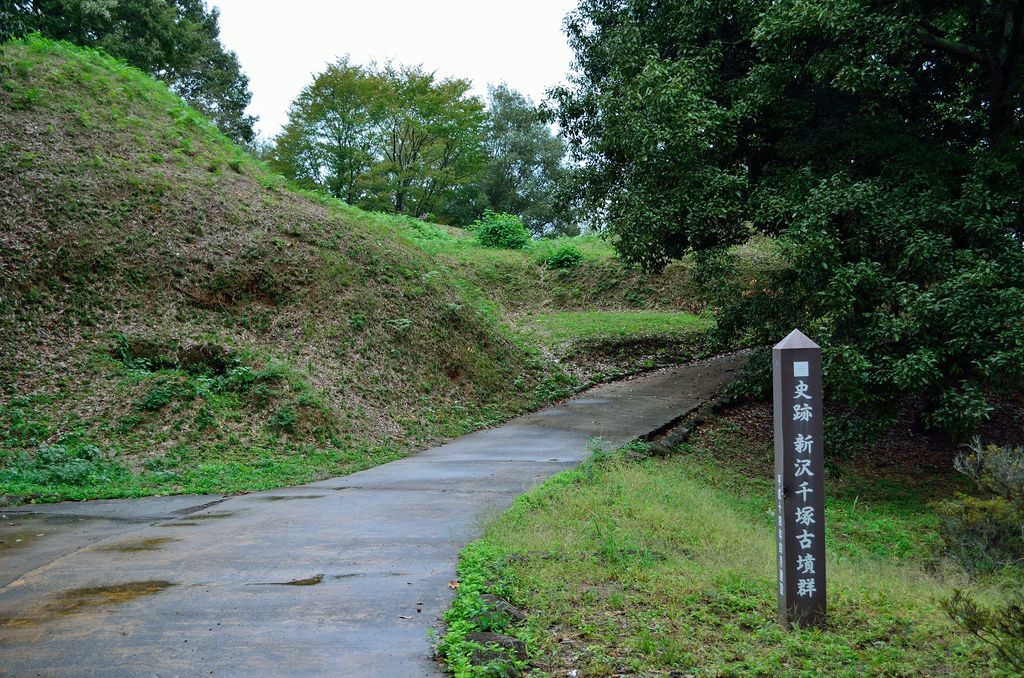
<point x="565" y="255"/>
<point x="1001" y="626"/>
<point x="504" y="231"/>
<point x="283" y="420"/>
<point x="987" y="532"/>
<point x="164" y="391"/>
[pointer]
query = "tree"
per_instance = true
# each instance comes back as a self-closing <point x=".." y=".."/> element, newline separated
<point x="176" y="41"/>
<point x="430" y="134"/>
<point x="390" y="138"/>
<point x="328" y="140"/>
<point x="881" y="141"/>
<point x="523" y="169"/>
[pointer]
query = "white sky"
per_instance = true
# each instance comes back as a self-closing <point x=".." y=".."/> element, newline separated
<point x="281" y="45"/>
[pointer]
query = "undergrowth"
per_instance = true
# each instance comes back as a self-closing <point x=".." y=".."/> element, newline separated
<point x="653" y="567"/>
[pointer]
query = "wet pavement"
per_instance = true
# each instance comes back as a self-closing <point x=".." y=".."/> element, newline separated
<point x="342" y="577"/>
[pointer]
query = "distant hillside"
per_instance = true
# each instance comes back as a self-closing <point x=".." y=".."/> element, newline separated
<point x="174" y="317"/>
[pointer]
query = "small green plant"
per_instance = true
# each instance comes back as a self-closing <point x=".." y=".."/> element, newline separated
<point x="163" y="392"/>
<point x="480" y="570"/>
<point x="566" y="255"/>
<point x="66" y="463"/>
<point x="283" y="419"/>
<point x="502" y="231"/>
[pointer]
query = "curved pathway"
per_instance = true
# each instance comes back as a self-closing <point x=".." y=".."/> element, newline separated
<point x="342" y="577"/>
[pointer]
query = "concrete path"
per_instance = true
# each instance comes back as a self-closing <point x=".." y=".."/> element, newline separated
<point x="343" y="577"/>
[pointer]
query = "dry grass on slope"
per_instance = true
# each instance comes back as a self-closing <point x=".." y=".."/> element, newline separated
<point x="186" y="317"/>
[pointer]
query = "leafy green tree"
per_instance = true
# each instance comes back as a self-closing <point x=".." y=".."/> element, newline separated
<point x="389" y="138"/>
<point x="176" y="41"/>
<point x="14" y="19"/>
<point x="524" y="166"/>
<point x="881" y="141"/>
<point x="329" y="138"/>
<point x="429" y="137"/>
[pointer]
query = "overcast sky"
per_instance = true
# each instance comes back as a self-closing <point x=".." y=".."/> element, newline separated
<point x="281" y="45"/>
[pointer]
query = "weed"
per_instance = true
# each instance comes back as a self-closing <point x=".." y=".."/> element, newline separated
<point x="283" y="419"/>
<point x="164" y="391"/>
<point x="70" y="462"/>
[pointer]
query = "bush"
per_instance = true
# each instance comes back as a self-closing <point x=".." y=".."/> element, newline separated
<point x="1001" y="626"/>
<point x="504" y="231"/>
<point x="985" y="533"/>
<point x="565" y="255"/>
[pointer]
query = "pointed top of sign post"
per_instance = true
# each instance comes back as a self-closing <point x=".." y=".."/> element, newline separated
<point x="795" y="339"/>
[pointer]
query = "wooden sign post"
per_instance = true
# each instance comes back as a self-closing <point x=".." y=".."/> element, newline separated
<point x="799" y="481"/>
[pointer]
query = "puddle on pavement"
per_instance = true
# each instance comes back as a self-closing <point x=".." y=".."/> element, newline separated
<point x="21" y="529"/>
<point x="138" y="545"/>
<point x="308" y="581"/>
<point x="87" y="597"/>
<point x="13" y="536"/>
<point x="287" y="497"/>
<point x="78" y="599"/>
<point x="555" y="412"/>
<point x="190" y="520"/>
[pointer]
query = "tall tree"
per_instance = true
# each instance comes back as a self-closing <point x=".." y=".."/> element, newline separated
<point x="177" y="41"/>
<point x="392" y="138"/>
<point x="524" y="167"/>
<point x="429" y="136"/>
<point x="881" y="141"/>
<point x="329" y="137"/>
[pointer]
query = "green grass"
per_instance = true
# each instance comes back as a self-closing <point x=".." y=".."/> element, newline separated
<point x="556" y="328"/>
<point x="665" y="567"/>
<point x="519" y="281"/>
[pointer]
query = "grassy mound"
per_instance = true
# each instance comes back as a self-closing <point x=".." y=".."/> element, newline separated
<point x="174" y="318"/>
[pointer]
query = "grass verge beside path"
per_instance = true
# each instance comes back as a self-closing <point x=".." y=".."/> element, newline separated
<point x="664" y="567"/>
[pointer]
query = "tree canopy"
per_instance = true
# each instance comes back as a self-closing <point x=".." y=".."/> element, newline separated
<point x="393" y="138"/>
<point x="881" y="141"/>
<point x="524" y="167"/>
<point x="177" y="41"/>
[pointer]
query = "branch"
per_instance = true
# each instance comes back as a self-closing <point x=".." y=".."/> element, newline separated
<point x="935" y="38"/>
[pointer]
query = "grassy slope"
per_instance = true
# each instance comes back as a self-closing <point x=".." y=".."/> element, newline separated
<point x="599" y="319"/>
<point x="167" y="302"/>
<point x="664" y="567"/>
